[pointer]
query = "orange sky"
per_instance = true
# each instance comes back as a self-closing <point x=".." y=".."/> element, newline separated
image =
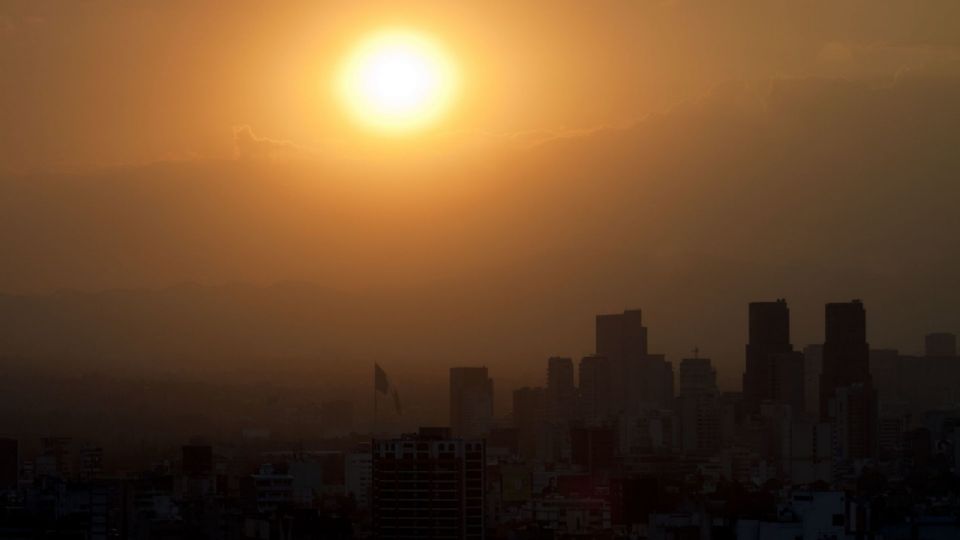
<point x="684" y="157"/>
<point x="93" y="84"/>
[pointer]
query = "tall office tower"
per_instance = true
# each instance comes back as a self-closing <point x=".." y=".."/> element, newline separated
<point x="471" y="401"/>
<point x="788" y="381"/>
<point x="698" y="407"/>
<point x="621" y="335"/>
<point x="593" y="448"/>
<point x="855" y="421"/>
<point x="622" y="340"/>
<point x="561" y="391"/>
<point x="846" y="365"/>
<point x="9" y="464"/>
<point x="593" y="394"/>
<point x="528" y="418"/>
<point x="940" y="345"/>
<point x="769" y="335"/>
<point x="812" y="367"/>
<point x="846" y="354"/>
<point x="428" y="485"/>
<point x="650" y="384"/>
<point x="697" y="376"/>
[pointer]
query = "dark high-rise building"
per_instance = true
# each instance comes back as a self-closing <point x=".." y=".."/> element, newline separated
<point x="698" y="407"/>
<point x="650" y="384"/>
<point x="561" y="391"/>
<point x="697" y="376"/>
<point x="471" y="401"/>
<point x="638" y="381"/>
<point x="528" y="418"/>
<point x="593" y="448"/>
<point x="621" y="335"/>
<point x="812" y="368"/>
<point x="788" y="381"/>
<point x="769" y="335"/>
<point x="428" y="485"/>
<point x="9" y="464"/>
<point x="594" y="390"/>
<point x="621" y="339"/>
<point x="855" y="422"/>
<point x="846" y="354"/>
<point x="847" y="396"/>
<point x="940" y="345"/>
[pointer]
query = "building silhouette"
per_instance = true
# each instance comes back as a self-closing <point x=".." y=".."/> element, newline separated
<point x="812" y="368"/>
<point x="789" y="381"/>
<point x="593" y="448"/>
<point x="622" y="339"/>
<point x="471" y="401"/>
<point x="593" y="392"/>
<point x="847" y="395"/>
<point x="428" y="485"/>
<point x="769" y="336"/>
<point x="637" y="381"/>
<point x="698" y="408"/>
<point x="561" y="391"/>
<point x="528" y="419"/>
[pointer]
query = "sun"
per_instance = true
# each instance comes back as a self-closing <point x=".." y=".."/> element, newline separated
<point x="398" y="82"/>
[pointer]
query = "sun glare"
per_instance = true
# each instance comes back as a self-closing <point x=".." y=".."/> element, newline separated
<point x="398" y="82"/>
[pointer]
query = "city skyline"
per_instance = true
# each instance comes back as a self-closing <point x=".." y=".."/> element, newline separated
<point x="518" y="270"/>
<point x="574" y="454"/>
<point x="609" y="183"/>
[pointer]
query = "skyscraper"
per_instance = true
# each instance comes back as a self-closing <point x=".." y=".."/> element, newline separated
<point x="622" y="339"/>
<point x="621" y="335"/>
<point x="847" y="396"/>
<point x="638" y="381"/>
<point x="471" y="401"/>
<point x="769" y="335"/>
<point x="650" y="384"/>
<point x="696" y="376"/>
<point x="593" y="393"/>
<point x="528" y="419"/>
<point x="697" y="406"/>
<point x="846" y="354"/>
<point x="812" y="367"/>
<point x="788" y="381"/>
<point x="561" y="391"/>
<point x="593" y="448"/>
<point x="428" y="485"/>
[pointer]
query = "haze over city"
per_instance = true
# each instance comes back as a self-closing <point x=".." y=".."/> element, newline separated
<point x="248" y="205"/>
<point x="674" y="156"/>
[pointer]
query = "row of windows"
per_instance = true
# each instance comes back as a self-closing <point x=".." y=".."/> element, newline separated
<point x="448" y="446"/>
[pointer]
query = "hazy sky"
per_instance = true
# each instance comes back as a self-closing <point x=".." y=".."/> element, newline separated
<point x="88" y="84"/>
<point x="683" y="157"/>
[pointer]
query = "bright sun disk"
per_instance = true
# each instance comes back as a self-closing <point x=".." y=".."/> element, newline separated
<point x="398" y="82"/>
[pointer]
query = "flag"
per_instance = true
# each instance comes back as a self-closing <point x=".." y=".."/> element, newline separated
<point x="396" y="401"/>
<point x="380" y="383"/>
